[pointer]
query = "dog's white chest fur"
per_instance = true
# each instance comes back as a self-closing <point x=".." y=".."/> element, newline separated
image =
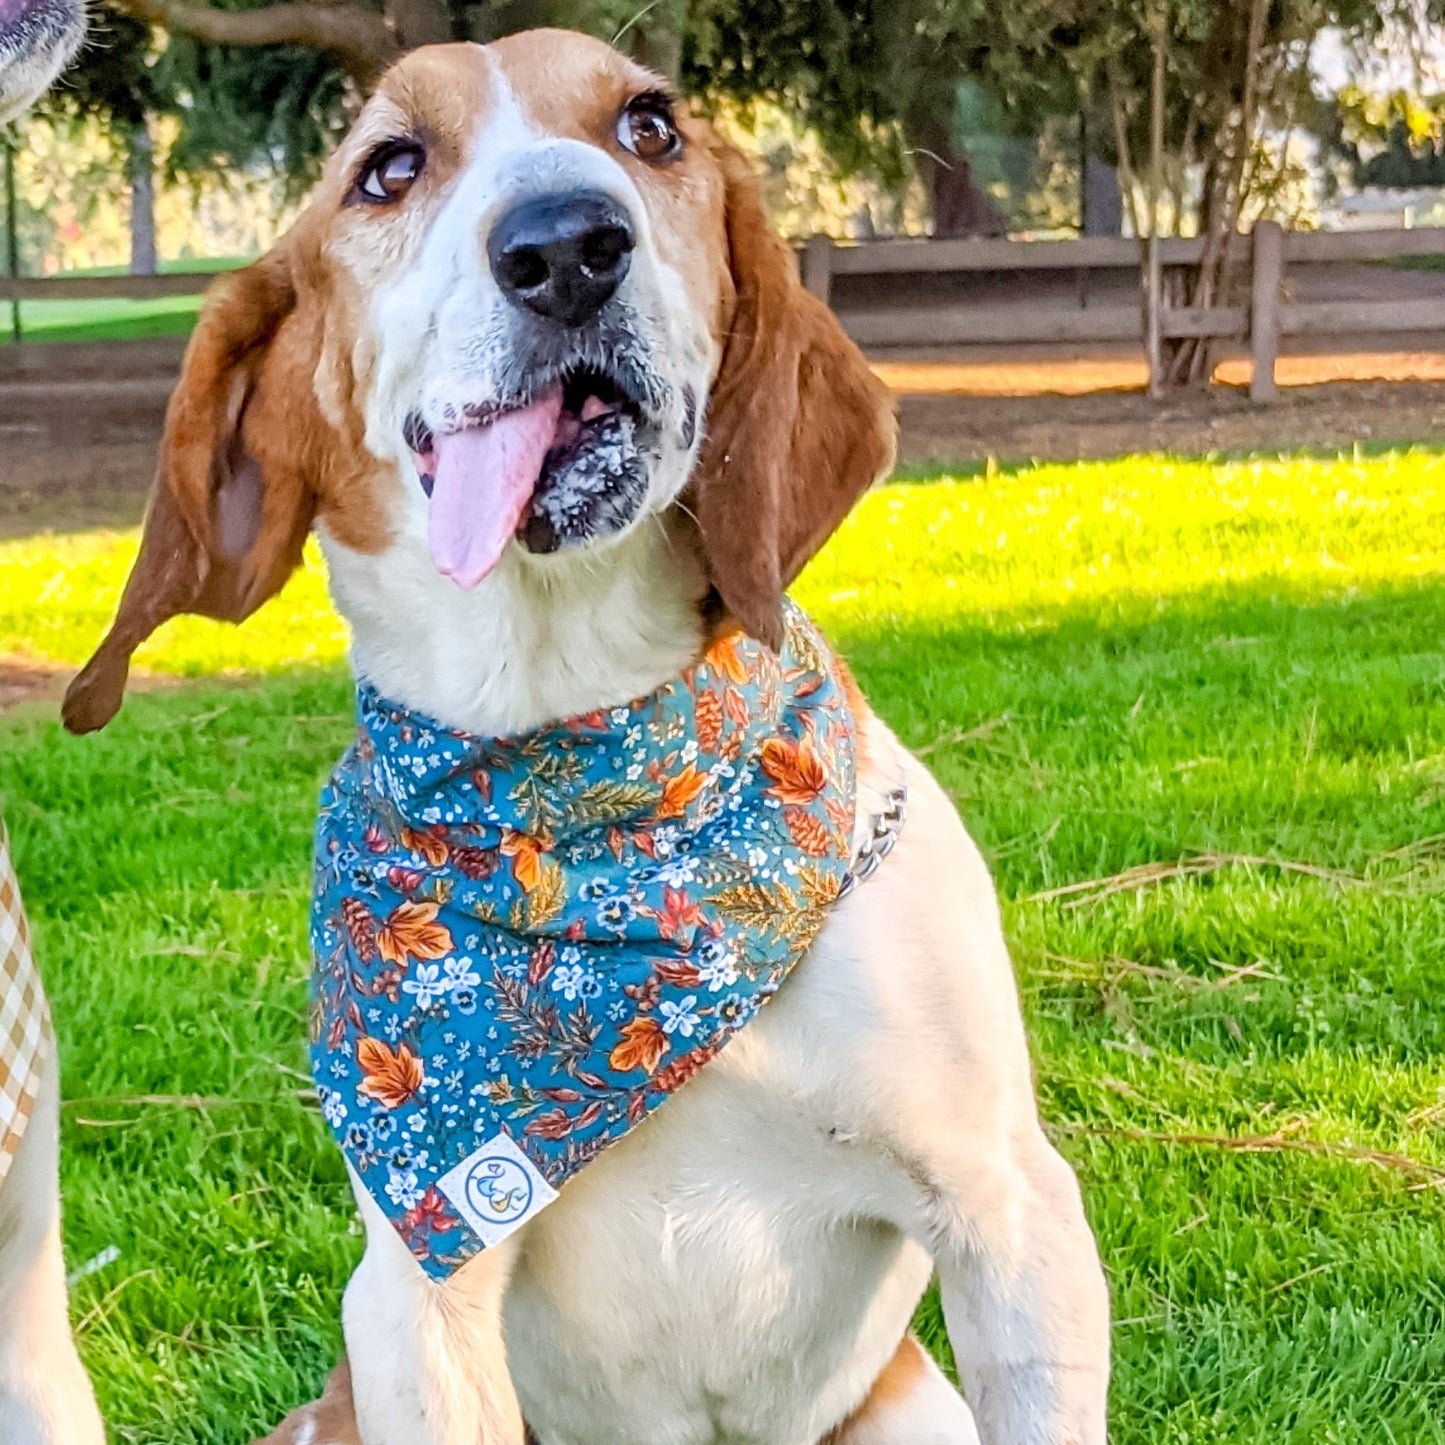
<point x="713" y="1278"/>
<point x="739" y="1269"/>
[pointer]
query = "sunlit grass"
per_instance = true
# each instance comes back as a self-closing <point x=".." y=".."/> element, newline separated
<point x="1107" y="539"/>
<point x="1110" y="665"/>
<point x="60" y="593"/>
<point x="112" y="318"/>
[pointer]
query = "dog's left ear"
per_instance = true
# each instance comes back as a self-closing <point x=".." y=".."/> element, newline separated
<point x="798" y="427"/>
<point x="233" y="501"/>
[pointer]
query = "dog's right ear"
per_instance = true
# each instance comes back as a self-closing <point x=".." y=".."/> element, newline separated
<point x="232" y="503"/>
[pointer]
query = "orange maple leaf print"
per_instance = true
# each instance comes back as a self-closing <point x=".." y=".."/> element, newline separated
<point x="723" y="656"/>
<point x="526" y="852"/>
<point x="412" y="931"/>
<point x="391" y="1078"/>
<point x="677" y="913"/>
<point x="425" y="845"/>
<point x="642" y="1047"/>
<point x="795" y="769"/>
<point x="679" y="790"/>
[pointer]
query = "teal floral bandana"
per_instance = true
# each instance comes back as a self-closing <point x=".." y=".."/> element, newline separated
<point x="524" y="945"/>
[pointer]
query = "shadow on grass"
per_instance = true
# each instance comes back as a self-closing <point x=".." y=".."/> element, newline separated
<point x="1260" y="1298"/>
<point x="1228" y="688"/>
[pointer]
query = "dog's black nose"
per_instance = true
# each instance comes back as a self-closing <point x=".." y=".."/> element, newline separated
<point x="563" y="255"/>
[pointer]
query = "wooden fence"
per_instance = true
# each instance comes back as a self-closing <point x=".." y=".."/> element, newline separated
<point x="924" y="293"/>
<point x="875" y="288"/>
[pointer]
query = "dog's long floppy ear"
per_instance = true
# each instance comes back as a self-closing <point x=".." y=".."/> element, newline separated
<point x="228" y="515"/>
<point x="798" y="427"/>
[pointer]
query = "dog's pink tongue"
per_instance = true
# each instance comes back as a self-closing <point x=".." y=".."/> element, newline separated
<point x="485" y="478"/>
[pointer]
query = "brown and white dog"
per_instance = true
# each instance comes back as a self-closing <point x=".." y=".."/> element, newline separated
<point x="503" y="221"/>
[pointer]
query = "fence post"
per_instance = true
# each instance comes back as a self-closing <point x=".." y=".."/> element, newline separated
<point x="1266" y="274"/>
<point x="818" y="266"/>
<point x="12" y="231"/>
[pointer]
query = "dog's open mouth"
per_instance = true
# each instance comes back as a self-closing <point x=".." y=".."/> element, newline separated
<point x="561" y="466"/>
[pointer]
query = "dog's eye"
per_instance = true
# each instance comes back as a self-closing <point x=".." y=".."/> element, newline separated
<point x="648" y="130"/>
<point x="390" y="172"/>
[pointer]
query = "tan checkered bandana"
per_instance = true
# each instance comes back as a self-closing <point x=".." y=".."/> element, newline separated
<point x="24" y="1019"/>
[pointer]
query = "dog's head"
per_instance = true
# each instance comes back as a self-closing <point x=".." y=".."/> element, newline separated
<point x="532" y="304"/>
<point x="38" y="38"/>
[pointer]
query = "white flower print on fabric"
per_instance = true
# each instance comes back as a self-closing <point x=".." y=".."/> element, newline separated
<point x="541" y="938"/>
<point x="333" y="1108"/>
<point x="460" y="974"/>
<point x="573" y="981"/>
<point x="427" y="986"/>
<point x="679" y="1018"/>
<point x="403" y="1187"/>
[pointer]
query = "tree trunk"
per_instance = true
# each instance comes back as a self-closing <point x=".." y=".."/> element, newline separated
<point x="1102" y="199"/>
<point x="960" y="206"/>
<point x="361" y="38"/>
<point x="1226" y="182"/>
<point x="140" y="172"/>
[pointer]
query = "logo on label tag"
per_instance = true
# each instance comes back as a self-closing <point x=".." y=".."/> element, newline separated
<point x="496" y="1189"/>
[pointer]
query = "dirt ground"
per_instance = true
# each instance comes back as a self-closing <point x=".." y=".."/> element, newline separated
<point x="80" y="453"/>
<point x="1098" y="408"/>
<point x="24" y="680"/>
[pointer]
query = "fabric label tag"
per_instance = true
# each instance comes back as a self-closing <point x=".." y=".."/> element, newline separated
<point x="496" y="1189"/>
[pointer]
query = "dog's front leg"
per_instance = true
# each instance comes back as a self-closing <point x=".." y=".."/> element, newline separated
<point x="1027" y="1307"/>
<point x="428" y="1361"/>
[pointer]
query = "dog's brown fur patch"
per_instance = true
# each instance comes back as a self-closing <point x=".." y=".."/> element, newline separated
<point x="331" y="1420"/>
<point x="898" y="1380"/>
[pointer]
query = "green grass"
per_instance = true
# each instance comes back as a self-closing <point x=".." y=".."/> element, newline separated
<point x="1112" y="665"/>
<point x="111" y="320"/>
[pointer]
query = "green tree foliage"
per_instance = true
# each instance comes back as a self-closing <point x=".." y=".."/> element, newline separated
<point x="252" y="86"/>
<point x="281" y="107"/>
<point x="878" y="79"/>
<point x="1396" y="140"/>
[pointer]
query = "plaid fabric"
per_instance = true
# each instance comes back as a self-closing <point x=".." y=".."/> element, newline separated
<point x="24" y="1019"/>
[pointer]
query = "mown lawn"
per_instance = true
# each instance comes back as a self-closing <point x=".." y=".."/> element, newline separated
<point x="1219" y="686"/>
<point x="119" y="320"/>
<point x="112" y="320"/>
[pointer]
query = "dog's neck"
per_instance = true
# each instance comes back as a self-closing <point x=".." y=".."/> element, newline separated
<point x="540" y="638"/>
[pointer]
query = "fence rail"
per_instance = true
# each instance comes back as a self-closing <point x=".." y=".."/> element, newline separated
<point x="104" y="288"/>
<point x="844" y="275"/>
<point x="923" y="253"/>
<point x="933" y="293"/>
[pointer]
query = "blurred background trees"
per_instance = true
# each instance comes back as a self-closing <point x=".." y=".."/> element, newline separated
<point x="959" y="117"/>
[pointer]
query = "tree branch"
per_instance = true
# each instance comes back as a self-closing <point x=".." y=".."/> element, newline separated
<point x="360" y="38"/>
<point x="1119" y="113"/>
